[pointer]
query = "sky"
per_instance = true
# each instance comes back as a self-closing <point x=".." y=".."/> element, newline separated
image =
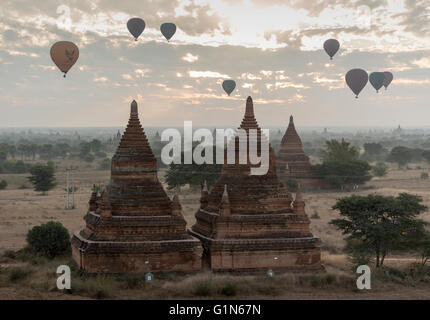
<point x="273" y="49"/>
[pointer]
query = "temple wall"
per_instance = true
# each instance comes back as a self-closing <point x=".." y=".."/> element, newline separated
<point x="135" y="262"/>
<point x="254" y="260"/>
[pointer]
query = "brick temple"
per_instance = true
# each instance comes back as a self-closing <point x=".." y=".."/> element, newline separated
<point x="293" y="163"/>
<point x="133" y="226"/>
<point x="252" y="223"/>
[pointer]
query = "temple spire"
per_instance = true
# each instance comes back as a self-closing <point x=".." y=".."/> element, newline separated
<point x="249" y="111"/>
<point x="224" y="208"/>
<point x="134" y="114"/>
<point x="204" y="196"/>
<point x="249" y="121"/>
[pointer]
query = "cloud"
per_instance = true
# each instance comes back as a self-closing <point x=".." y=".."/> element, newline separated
<point x="207" y="74"/>
<point x="100" y="79"/>
<point x="189" y="57"/>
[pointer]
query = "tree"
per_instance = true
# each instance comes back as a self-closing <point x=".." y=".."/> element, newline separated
<point x="339" y="151"/>
<point x="193" y="174"/>
<point x="341" y="166"/>
<point x="49" y="239"/>
<point x="43" y="177"/>
<point x="401" y="155"/>
<point x="3" y="184"/>
<point x="426" y="155"/>
<point x="419" y="243"/>
<point x="344" y="173"/>
<point x="373" y="149"/>
<point x="380" y="170"/>
<point x="379" y="222"/>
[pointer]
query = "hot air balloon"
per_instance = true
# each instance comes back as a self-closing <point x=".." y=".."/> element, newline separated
<point x="228" y="86"/>
<point x="356" y="80"/>
<point x="377" y="80"/>
<point x="331" y="46"/>
<point x="168" y="30"/>
<point x="64" y="54"/>
<point x="388" y="79"/>
<point x="136" y="27"/>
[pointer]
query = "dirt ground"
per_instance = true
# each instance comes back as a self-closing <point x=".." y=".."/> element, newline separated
<point x="21" y="209"/>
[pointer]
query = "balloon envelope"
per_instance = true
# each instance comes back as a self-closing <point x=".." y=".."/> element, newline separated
<point x="388" y="79"/>
<point x="136" y="27"/>
<point x="228" y="86"/>
<point x="377" y="80"/>
<point x="331" y="46"/>
<point x="64" y="54"/>
<point x="356" y="80"/>
<point x="168" y="30"/>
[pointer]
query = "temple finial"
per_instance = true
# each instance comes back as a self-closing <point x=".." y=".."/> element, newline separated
<point x="249" y="111"/>
<point x="133" y="109"/>
<point x="224" y="208"/>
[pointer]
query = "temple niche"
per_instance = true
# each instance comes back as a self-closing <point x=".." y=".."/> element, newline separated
<point x="293" y="163"/>
<point x="133" y="226"/>
<point x="251" y="222"/>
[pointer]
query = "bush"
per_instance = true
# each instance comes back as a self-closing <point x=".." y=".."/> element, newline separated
<point x="424" y="175"/>
<point x="203" y="288"/>
<point x="380" y="169"/>
<point x="50" y="239"/>
<point x="229" y="290"/>
<point x="3" y="184"/>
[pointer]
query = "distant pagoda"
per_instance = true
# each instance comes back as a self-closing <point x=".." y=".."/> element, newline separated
<point x="134" y="226"/>
<point x="292" y="161"/>
<point x="250" y="222"/>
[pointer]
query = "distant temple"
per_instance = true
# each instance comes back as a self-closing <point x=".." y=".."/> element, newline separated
<point x="292" y="161"/>
<point x="251" y="222"/>
<point x="133" y="226"/>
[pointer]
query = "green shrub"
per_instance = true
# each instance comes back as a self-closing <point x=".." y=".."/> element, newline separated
<point x="380" y="169"/>
<point x="424" y="175"/>
<point x="3" y="184"/>
<point x="229" y="289"/>
<point x="203" y="288"/>
<point x="50" y="239"/>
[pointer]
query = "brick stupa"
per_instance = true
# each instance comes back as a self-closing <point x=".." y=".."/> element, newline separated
<point x="134" y="226"/>
<point x="250" y="223"/>
<point x="293" y="163"/>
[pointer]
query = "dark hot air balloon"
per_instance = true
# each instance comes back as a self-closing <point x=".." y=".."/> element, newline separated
<point x="168" y="30"/>
<point x="377" y="80"/>
<point x="331" y="46"/>
<point x="388" y="79"/>
<point x="64" y="54"/>
<point x="136" y="27"/>
<point x="356" y="80"/>
<point x="228" y="86"/>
